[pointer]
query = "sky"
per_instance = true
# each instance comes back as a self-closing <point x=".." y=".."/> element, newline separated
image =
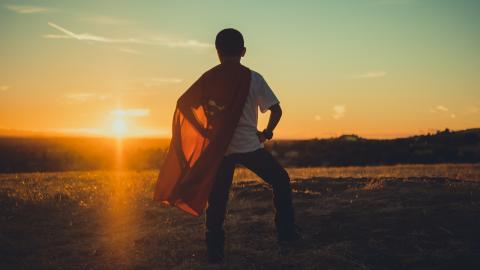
<point x="375" y="68"/>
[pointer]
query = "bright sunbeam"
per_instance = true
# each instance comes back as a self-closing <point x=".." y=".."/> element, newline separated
<point x="119" y="127"/>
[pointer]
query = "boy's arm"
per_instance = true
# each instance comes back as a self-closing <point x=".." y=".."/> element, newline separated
<point x="275" y="115"/>
<point x="190" y="100"/>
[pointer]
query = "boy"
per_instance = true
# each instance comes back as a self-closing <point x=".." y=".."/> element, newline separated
<point x="246" y="148"/>
<point x="215" y="128"/>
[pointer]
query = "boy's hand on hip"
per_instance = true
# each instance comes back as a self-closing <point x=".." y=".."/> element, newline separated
<point x="261" y="137"/>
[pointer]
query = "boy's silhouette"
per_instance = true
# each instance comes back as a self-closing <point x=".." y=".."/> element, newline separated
<point x="246" y="148"/>
<point x="215" y="128"/>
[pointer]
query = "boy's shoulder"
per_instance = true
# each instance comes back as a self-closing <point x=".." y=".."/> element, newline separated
<point x="256" y="74"/>
<point x="215" y="72"/>
<point x="217" y="68"/>
<point x="257" y="77"/>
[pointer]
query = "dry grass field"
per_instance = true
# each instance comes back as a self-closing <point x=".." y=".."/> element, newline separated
<point x="386" y="217"/>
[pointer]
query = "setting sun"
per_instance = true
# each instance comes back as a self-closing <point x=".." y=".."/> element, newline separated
<point x="119" y="127"/>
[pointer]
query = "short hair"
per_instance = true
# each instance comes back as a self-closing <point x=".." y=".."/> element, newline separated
<point x="229" y="42"/>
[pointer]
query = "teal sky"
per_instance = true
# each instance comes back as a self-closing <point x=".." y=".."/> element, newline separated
<point x="377" y="68"/>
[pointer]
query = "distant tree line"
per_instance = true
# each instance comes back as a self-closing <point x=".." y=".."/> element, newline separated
<point x="41" y="154"/>
<point x="442" y="147"/>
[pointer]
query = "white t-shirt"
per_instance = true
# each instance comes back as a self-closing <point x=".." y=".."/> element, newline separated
<point x="261" y="97"/>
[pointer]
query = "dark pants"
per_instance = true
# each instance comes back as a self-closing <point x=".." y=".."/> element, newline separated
<point x="262" y="163"/>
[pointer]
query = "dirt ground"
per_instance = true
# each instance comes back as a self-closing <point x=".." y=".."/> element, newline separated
<point x="386" y="217"/>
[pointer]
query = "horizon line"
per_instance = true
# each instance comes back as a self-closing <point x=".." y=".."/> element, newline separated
<point x="53" y="134"/>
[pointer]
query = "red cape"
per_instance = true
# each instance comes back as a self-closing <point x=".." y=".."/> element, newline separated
<point x="203" y="124"/>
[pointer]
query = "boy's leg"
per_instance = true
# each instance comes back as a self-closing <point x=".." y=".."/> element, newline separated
<point x="215" y="213"/>
<point x="267" y="167"/>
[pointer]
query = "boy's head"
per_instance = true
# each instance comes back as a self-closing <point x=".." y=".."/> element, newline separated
<point x="229" y="44"/>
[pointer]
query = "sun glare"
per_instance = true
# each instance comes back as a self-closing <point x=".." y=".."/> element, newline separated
<point x="119" y="127"/>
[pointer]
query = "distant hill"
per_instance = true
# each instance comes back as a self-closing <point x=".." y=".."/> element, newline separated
<point x="29" y="152"/>
<point x="442" y="147"/>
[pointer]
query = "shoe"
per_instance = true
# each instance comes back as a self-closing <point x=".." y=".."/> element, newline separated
<point x="215" y="246"/>
<point x="290" y="236"/>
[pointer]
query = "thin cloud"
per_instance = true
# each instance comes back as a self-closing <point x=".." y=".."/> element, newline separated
<point x="91" y="131"/>
<point x="441" y="108"/>
<point x="151" y="82"/>
<point x="87" y="37"/>
<point x="28" y="9"/>
<point x="472" y="109"/>
<point x="191" y="43"/>
<point x="54" y="36"/>
<point x="339" y="111"/>
<point x="137" y="112"/>
<point x="317" y="117"/>
<point x="371" y="75"/>
<point x="4" y="87"/>
<point x="67" y="34"/>
<point x="80" y="97"/>
<point x="83" y="97"/>
<point x="106" y="20"/>
<point x="130" y="51"/>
